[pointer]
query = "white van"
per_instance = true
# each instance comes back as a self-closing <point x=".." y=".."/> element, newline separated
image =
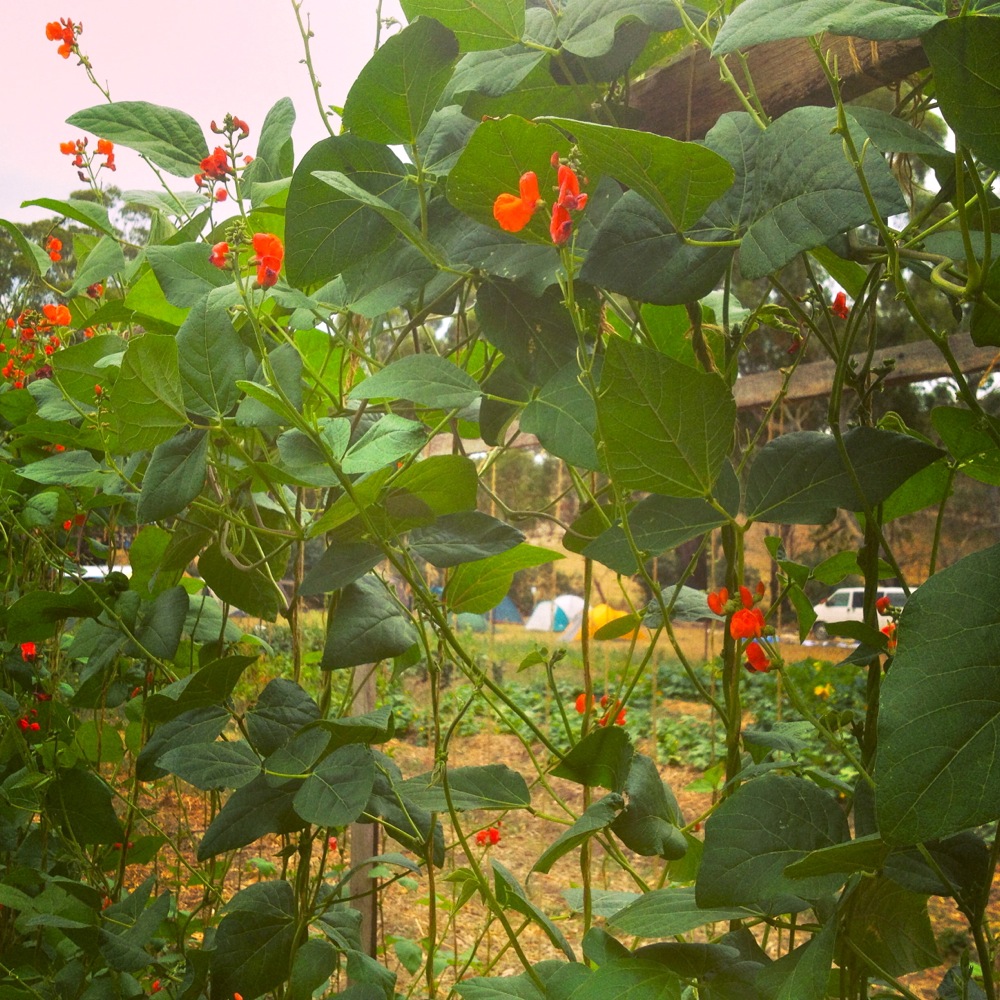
<point x="847" y="605"/>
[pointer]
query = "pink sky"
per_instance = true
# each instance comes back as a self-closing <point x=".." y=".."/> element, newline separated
<point x="205" y="58"/>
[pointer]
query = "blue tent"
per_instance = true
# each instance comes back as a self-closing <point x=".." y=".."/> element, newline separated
<point x="505" y="613"/>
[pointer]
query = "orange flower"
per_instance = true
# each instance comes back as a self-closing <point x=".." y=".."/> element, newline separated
<point x="270" y="254"/>
<point x="105" y="147"/>
<point x="63" y="31"/>
<point x="889" y="631"/>
<point x="840" y="307"/>
<point x="746" y="623"/>
<point x="96" y="290"/>
<point x="757" y="659"/>
<point x="216" y="165"/>
<point x="569" y="189"/>
<point x="53" y="245"/>
<point x="221" y="195"/>
<point x="219" y="254"/>
<point x="57" y="315"/>
<point x="717" y="601"/>
<point x="746" y="598"/>
<point x="490" y="836"/>
<point x="883" y="604"/>
<point x="561" y="225"/>
<point x="514" y="212"/>
<point x="29" y="652"/>
<point x="581" y="702"/>
<point x="67" y="148"/>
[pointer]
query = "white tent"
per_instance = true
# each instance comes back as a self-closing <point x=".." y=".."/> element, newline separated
<point x="554" y="616"/>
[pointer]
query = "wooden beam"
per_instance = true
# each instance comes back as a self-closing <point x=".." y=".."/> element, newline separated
<point x="685" y="99"/>
<point x="913" y="363"/>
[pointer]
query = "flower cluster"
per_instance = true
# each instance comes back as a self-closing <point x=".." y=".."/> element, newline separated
<point x="514" y="211"/>
<point x="28" y="724"/>
<point x="81" y="158"/>
<point x="746" y="622"/>
<point x="216" y="167"/>
<point x="33" y="339"/>
<point x="615" y="712"/>
<point x="53" y="247"/>
<point x="488" y="837"/>
<point x="64" y="31"/>
<point x="268" y="256"/>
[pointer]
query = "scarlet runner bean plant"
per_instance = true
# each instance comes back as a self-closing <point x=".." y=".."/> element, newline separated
<point x="273" y="371"/>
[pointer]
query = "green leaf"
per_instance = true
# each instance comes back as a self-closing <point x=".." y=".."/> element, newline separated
<point x="984" y="325"/>
<point x="168" y="138"/>
<point x="388" y="440"/>
<point x="800" y="478"/>
<point x="967" y="436"/>
<point x="477" y="24"/>
<point x="213" y="765"/>
<point x="666" y="913"/>
<point x="464" y="537"/>
<point x="254" y="941"/>
<point x="936" y="771"/>
<point x="632" y="978"/>
<point x="481" y="585"/>
<point x="174" y="477"/>
<point x="490" y="786"/>
<point x="966" y="80"/>
<point x="129" y="925"/>
<point x="214" y="357"/>
<point x="861" y="854"/>
<point x="314" y="966"/>
<point x="594" y="819"/>
<point x="81" y="803"/>
<point x="395" y="93"/>
<point x="665" y="427"/>
<point x="67" y="468"/>
<point x="202" y="725"/>
<point x="681" y="179"/>
<point x="520" y="987"/>
<point x="511" y="896"/>
<point x="764" y="826"/>
<point x="810" y="191"/>
<point x="36" y="258"/>
<point x="251" y="812"/>
<point x="252" y="591"/>
<point x="327" y="231"/>
<point x="273" y="159"/>
<point x="756" y="21"/>
<point x="649" y="824"/>
<point x="589" y="27"/>
<point x="564" y="419"/>
<point x="804" y="973"/>
<point x="282" y="709"/>
<point x="421" y="378"/>
<point x="148" y="401"/>
<point x="88" y="213"/>
<point x="336" y="792"/>
<point x="535" y="333"/>
<point x="366" y="625"/>
<point x="892" y="927"/>
<point x="340" y="565"/>
<point x="658" y="524"/>
<point x="638" y="253"/>
<point x="211" y="684"/>
<point x="343" y="184"/>
<point x="106" y="258"/>
<point x="33" y="616"/>
<point x="158" y="632"/>
<point x="602" y="758"/>
<point x="373" y="727"/>
<point x="185" y="273"/>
